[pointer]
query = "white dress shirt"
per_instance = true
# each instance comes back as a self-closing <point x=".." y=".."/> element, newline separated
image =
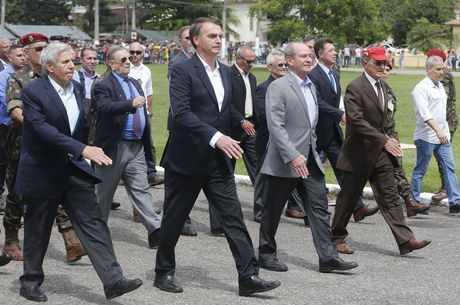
<point x="70" y="102"/>
<point x="248" y="100"/>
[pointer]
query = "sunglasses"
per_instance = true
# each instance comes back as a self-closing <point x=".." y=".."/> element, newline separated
<point x="282" y="65"/>
<point x="124" y="59"/>
<point x="187" y="37"/>
<point x="135" y="52"/>
<point x="38" y="49"/>
<point x="249" y="62"/>
<point x="379" y="63"/>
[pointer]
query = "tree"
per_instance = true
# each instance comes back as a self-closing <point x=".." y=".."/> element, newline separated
<point x="343" y="21"/>
<point x="426" y="35"/>
<point x="107" y="20"/>
<point x="51" y="12"/>
<point x="409" y="12"/>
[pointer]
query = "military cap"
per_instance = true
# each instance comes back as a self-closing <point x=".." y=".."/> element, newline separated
<point x="436" y="52"/>
<point x="31" y="38"/>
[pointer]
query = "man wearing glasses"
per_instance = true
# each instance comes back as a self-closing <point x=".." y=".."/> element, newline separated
<point x="123" y="132"/>
<point x="366" y="103"/>
<point x="186" y="48"/>
<point x="33" y="44"/>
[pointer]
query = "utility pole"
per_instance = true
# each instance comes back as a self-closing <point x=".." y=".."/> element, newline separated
<point x="3" y="13"/>
<point x="96" y="20"/>
<point x="133" y="15"/>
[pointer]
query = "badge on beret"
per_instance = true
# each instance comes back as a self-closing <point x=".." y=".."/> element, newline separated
<point x="31" y="38"/>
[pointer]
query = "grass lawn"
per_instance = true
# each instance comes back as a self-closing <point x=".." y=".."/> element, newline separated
<point x="405" y="118"/>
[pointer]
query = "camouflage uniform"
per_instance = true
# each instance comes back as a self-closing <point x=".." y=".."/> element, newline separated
<point x="14" y="207"/>
<point x="451" y="113"/>
<point x="402" y="183"/>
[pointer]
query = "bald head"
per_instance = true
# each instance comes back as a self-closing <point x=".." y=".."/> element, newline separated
<point x="137" y="53"/>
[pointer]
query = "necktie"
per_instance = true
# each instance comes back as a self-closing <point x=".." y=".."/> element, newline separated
<point x="137" y="126"/>
<point x="380" y="94"/>
<point x="332" y="80"/>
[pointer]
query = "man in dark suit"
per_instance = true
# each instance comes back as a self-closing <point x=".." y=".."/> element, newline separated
<point x="123" y="131"/>
<point x="243" y="120"/>
<point x="54" y="168"/>
<point x="291" y="161"/>
<point x="197" y="157"/>
<point x="328" y="131"/>
<point x="366" y="102"/>
<point x="276" y="64"/>
<point x="185" y="51"/>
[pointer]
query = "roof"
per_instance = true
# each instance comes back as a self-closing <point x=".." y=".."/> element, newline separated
<point x="157" y="35"/>
<point x="49" y="30"/>
<point x="453" y="22"/>
<point x="4" y="33"/>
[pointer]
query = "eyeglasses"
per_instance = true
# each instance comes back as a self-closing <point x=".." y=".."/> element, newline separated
<point x="124" y="59"/>
<point x="282" y="65"/>
<point x="249" y="62"/>
<point x="38" y="49"/>
<point x="135" y="52"/>
<point x="186" y="37"/>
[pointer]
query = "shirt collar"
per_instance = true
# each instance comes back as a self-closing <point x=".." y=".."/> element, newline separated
<point x="437" y="86"/>
<point x="370" y="79"/>
<point x="205" y="64"/>
<point x="58" y="87"/>
<point x="300" y="81"/>
<point x="325" y="69"/>
<point x="119" y="77"/>
<point x="83" y="70"/>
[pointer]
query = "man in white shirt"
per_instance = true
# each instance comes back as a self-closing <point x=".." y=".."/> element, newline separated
<point x="142" y="74"/>
<point x="431" y="135"/>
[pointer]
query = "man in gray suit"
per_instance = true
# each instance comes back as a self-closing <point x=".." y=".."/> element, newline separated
<point x="292" y="162"/>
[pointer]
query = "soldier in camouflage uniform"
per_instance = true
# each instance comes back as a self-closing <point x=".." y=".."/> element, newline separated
<point x="452" y="119"/>
<point x="33" y="44"/>
<point x="412" y="207"/>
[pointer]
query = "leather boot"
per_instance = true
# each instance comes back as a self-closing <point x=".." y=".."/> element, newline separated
<point x="413" y="208"/>
<point x="73" y="245"/>
<point x="14" y="249"/>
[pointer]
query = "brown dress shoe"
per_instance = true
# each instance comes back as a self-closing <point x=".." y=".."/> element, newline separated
<point x="440" y="195"/>
<point x="295" y="214"/>
<point x="412" y="245"/>
<point x="344" y="248"/>
<point x="413" y="208"/>
<point x="14" y="249"/>
<point x="73" y="246"/>
<point x="364" y="212"/>
<point x="136" y="216"/>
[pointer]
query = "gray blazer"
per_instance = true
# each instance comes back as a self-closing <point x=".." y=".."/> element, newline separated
<point x="291" y="132"/>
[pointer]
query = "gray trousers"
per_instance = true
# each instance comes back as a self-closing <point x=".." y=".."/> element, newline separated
<point x="128" y="164"/>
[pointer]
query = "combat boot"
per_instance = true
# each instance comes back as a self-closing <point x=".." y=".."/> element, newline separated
<point x="14" y="249"/>
<point x="413" y="208"/>
<point x="73" y="245"/>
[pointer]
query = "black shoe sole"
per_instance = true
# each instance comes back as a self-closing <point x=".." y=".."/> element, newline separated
<point x="332" y="269"/>
<point x="167" y="289"/>
<point x="270" y="268"/>
<point x="265" y="289"/>
<point x="128" y="289"/>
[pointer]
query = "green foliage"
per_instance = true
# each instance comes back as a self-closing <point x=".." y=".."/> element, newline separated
<point x="51" y="12"/>
<point x="426" y="35"/>
<point x="407" y="13"/>
<point x="344" y="21"/>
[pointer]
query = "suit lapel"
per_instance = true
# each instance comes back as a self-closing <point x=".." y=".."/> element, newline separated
<point x="326" y="79"/>
<point x="370" y="92"/>
<point x="56" y="101"/>
<point x="201" y="72"/>
<point x="226" y="81"/>
<point x="295" y="87"/>
<point x="79" y="98"/>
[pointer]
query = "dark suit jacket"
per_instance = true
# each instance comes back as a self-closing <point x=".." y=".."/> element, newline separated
<point x="178" y="58"/>
<point x="261" y="118"/>
<point x="112" y="109"/>
<point x="49" y="152"/>
<point x="328" y="104"/>
<point x="195" y="119"/>
<point x="239" y="98"/>
<point x="364" y="138"/>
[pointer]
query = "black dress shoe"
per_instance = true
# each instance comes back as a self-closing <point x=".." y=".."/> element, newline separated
<point x="188" y="230"/>
<point x="255" y="284"/>
<point x="155" y="180"/>
<point x="33" y="293"/>
<point x="273" y="265"/>
<point x="217" y="233"/>
<point x="154" y="239"/>
<point x="336" y="264"/>
<point x="167" y="283"/>
<point x="115" y="206"/>
<point x="5" y="259"/>
<point x="454" y="208"/>
<point x="121" y="287"/>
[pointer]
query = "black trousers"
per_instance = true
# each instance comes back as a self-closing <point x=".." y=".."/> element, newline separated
<point x="80" y="203"/>
<point x="181" y="192"/>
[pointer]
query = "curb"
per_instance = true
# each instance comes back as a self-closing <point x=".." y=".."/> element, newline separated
<point x="425" y="198"/>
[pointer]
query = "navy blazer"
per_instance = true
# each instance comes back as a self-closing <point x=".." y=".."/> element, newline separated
<point x="261" y="118"/>
<point x="49" y="152"/>
<point x="328" y="104"/>
<point x="239" y="98"/>
<point x="195" y="118"/>
<point x="112" y="109"/>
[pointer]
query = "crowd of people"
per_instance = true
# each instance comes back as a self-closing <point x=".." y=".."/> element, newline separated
<point x="68" y="137"/>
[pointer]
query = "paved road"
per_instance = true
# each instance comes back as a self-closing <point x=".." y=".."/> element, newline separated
<point x="206" y="268"/>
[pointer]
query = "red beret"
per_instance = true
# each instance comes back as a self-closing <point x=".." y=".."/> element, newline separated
<point x="32" y="38"/>
<point x="377" y="53"/>
<point x="436" y="52"/>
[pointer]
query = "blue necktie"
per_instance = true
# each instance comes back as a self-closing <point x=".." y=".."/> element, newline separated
<point x="137" y="125"/>
<point x="332" y="80"/>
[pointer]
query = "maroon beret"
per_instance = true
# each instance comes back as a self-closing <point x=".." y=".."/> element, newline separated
<point x="31" y="38"/>
<point x="436" y="52"/>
